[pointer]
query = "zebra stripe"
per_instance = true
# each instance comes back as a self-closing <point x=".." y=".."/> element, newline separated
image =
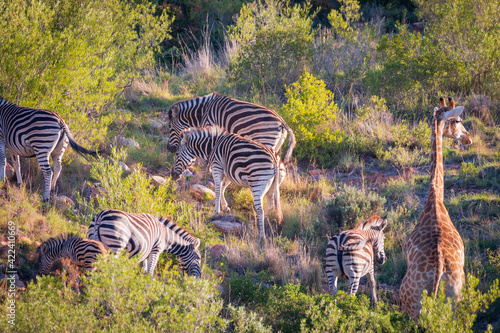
<point x="81" y="252"/>
<point x="349" y="255"/>
<point x="146" y="236"/>
<point x="235" y="159"/>
<point x="248" y="120"/>
<point x="30" y="132"/>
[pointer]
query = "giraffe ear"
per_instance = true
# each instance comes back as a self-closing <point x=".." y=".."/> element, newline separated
<point x="456" y="112"/>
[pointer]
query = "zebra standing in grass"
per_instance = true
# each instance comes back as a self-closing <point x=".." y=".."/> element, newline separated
<point x="248" y="120"/>
<point x="350" y="255"/>
<point x="81" y="252"/>
<point x="29" y="132"/>
<point x="147" y="236"/>
<point x="235" y="159"/>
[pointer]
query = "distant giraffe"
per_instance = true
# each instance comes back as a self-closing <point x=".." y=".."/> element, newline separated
<point x="435" y="251"/>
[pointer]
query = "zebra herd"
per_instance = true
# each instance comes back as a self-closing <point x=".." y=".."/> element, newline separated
<point x="240" y="141"/>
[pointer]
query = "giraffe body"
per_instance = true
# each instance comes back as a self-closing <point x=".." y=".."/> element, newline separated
<point x="435" y="251"/>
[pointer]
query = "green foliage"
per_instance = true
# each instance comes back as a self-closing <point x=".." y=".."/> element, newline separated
<point x="119" y="297"/>
<point x="75" y="55"/>
<point x="245" y="321"/>
<point x="350" y="206"/>
<point x="311" y="111"/>
<point x="342" y="21"/>
<point x="274" y="42"/>
<point x="468" y="171"/>
<point x="440" y="314"/>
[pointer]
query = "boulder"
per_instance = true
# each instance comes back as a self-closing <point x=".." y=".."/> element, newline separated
<point x="64" y="202"/>
<point x="128" y="142"/>
<point x="124" y="167"/>
<point x="201" y="193"/>
<point x="157" y="126"/>
<point x="228" y="226"/>
<point x="158" y="180"/>
<point x="315" y="172"/>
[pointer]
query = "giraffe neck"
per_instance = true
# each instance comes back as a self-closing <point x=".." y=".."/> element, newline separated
<point x="436" y="187"/>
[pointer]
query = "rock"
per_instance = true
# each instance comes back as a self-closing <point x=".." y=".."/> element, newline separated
<point x="64" y="202"/>
<point x="157" y="126"/>
<point x="418" y="26"/>
<point x="228" y="226"/>
<point x="10" y="173"/>
<point x="124" y="167"/>
<point x="201" y="193"/>
<point x="157" y="180"/>
<point x="218" y="250"/>
<point x="211" y="186"/>
<point x="128" y="142"/>
<point x="32" y="255"/>
<point x="315" y="172"/>
<point x="18" y="282"/>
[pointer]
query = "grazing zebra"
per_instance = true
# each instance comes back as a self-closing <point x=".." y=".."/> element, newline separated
<point x="81" y="252"/>
<point x="147" y="236"/>
<point x="29" y="132"/>
<point x="248" y="120"/>
<point x="236" y="159"/>
<point x="350" y="254"/>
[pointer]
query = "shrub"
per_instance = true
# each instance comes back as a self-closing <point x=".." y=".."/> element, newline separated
<point x="350" y="206"/>
<point x="274" y="42"/>
<point x="440" y="314"/>
<point x="311" y="111"/>
<point x="468" y="171"/>
<point x="244" y="321"/>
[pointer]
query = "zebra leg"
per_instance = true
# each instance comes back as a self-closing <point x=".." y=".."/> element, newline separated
<point x="57" y="155"/>
<point x="153" y="260"/>
<point x="43" y="161"/>
<point x="3" y="160"/>
<point x="218" y="179"/>
<point x="258" y="198"/>
<point x="353" y="285"/>
<point x="223" y="202"/>
<point x="332" y="281"/>
<point x="371" y="278"/>
<point x="17" y="166"/>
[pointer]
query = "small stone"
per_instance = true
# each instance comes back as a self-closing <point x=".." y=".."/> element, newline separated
<point x="64" y="202"/>
<point x="157" y="180"/>
<point x="227" y="226"/>
<point x="124" y="167"/>
<point x="211" y="186"/>
<point x="218" y="250"/>
<point x="10" y="173"/>
<point x="129" y="142"/>
<point x="315" y="172"/>
<point x="201" y="193"/>
<point x="32" y="255"/>
<point x="157" y="126"/>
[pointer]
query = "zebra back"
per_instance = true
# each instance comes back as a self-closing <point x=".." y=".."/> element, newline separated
<point x="81" y="252"/>
<point x="246" y="119"/>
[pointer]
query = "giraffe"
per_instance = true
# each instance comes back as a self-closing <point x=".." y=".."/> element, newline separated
<point x="435" y="251"/>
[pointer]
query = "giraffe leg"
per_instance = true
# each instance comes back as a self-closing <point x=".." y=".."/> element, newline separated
<point x="17" y="166"/>
<point x="57" y="155"/>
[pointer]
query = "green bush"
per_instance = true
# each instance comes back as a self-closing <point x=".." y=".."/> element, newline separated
<point x="350" y="206"/>
<point x="440" y="314"/>
<point x="72" y="56"/>
<point x="118" y="296"/>
<point x="311" y="111"/>
<point x="274" y="42"/>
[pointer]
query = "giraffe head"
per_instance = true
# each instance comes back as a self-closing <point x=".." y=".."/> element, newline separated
<point x="453" y="127"/>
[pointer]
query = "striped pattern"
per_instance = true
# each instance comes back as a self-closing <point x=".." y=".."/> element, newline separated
<point x="29" y="132"/>
<point x="81" y="252"/>
<point x="350" y="255"/>
<point x="235" y="159"/>
<point x="248" y="120"/>
<point x="146" y="236"/>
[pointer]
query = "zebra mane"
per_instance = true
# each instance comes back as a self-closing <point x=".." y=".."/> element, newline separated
<point x="374" y="222"/>
<point x="4" y="101"/>
<point x="183" y="233"/>
<point x="58" y="240"/>
<point x="204" y="132"/>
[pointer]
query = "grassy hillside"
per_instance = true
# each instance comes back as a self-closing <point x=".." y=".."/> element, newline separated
<point x="368" y="154"/>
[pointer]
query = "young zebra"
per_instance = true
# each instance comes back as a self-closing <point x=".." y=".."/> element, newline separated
<point x="234" y="159"/>
<point x="81" y="252"/>
<point x="248" y="120"/>
<point x="349" y="255"/>
<point x="147" y="236"/>
<point x="29" y="132"/>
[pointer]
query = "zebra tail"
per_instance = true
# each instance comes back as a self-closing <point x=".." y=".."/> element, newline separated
<point x="277" y="202"/>
<point x="291" y="145"/>
<point x="76" y="147"/>
<point x="439" y="272"/>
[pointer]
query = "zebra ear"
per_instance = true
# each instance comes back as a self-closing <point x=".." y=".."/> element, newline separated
<point x="197" y="243"/>
<point x="185" y="137"/>
<point x="175" y="111"/>
<point x="383" y="224"/>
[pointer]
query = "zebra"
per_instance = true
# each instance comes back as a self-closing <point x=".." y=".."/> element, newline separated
<point x="235" y="159"/>
<point x="350" y="255"/>
<point x="30" y="132"/>
<point x="248" y="120"/>
<point x="147" y="236"/>
<point x="81" y="252"/>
